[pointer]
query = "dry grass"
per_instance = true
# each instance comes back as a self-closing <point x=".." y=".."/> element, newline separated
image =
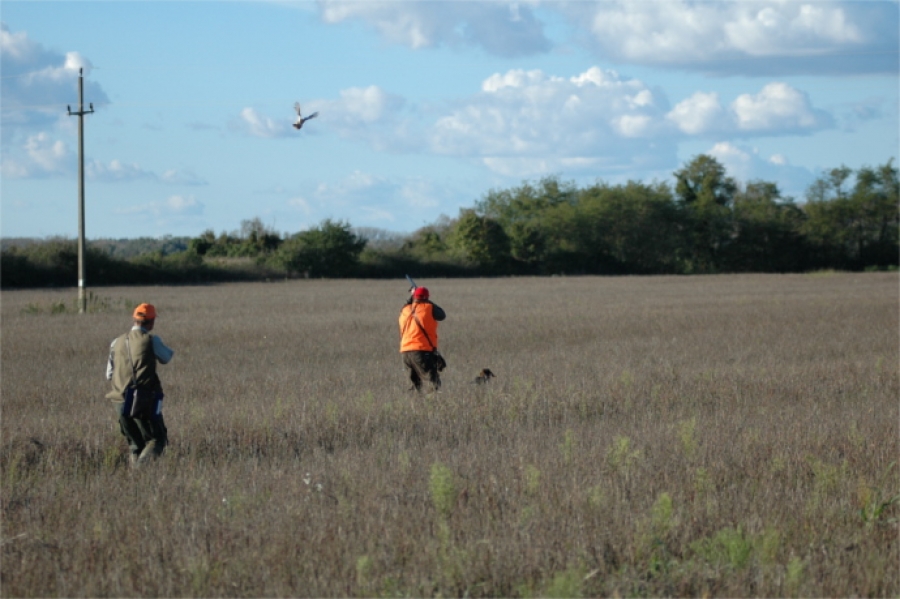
<point x="681" y="436"/>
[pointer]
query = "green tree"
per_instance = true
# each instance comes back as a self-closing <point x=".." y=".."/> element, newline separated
<point x="524" y="213"/>
<point x="428" y="243"/>
<point x="767" y="231"/>
<point x="257" y="238"/>
<point x="202" y="244"/>
<point x="875" y="204"/>
<point x="857" y="227"/>
<point x="632" y="228"/>
<point x="481" y="241"/>
<point x="329" y="250"/>
<point x="705" y="194"/>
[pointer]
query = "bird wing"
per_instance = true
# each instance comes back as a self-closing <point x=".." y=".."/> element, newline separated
<point x="297" y="108"/>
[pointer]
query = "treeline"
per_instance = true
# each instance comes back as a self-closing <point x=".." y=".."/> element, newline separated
<point x="706" y="223"/>
<point x="117" y="248"/>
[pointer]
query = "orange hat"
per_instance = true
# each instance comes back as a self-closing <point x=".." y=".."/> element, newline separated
<point x="421" y="293"/>
<point x="145" y="312"/>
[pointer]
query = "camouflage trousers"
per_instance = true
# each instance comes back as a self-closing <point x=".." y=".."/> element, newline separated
<point x="143" y="432"/>
<point x="421" y="366"/>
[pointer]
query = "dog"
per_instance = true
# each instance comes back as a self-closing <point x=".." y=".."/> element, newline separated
<point x="484" y="376"/>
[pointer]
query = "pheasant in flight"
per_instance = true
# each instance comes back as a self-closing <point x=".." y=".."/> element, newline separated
<point x="300" y="118"/>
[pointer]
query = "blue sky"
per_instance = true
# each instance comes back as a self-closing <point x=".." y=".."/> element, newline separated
<point x="424" y="106"/>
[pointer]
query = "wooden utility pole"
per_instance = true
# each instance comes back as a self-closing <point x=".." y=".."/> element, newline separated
<point x="82" y="298"/>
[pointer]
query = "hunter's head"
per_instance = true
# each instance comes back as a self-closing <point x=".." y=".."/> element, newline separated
<point x="145" y="316"/>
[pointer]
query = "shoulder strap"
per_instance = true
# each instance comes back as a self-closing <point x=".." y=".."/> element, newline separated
<point x="421" y="328"/>
<point x="130" y="359"/>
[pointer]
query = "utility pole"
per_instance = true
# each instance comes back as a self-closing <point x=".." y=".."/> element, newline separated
<point x="82" y="298"/>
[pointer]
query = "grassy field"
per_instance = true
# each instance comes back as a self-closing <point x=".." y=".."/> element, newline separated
<point x="645" y="436"/>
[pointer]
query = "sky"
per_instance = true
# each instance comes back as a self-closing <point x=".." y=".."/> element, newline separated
<point x="424" y="107"/>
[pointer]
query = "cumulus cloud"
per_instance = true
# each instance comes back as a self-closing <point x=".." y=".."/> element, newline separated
<point x="359" y="112"/>
<point x="365" y="105"/>
<point x="699" y="114"/>
<point x="38" y="84"/>
<point x="185" y="177"/>
<point x="116" y="170"/>
<point x="250" y="122"/>
<point x="535" y="123"/>
<point x="49" y="155"/>
<point x="746" y="164"/>
<point x="778" y="109"/>
<point x="371" y="114"/>
<point x="300" y="203"/>
<point x="40" y="156"/>
<point x="367" y="199"/>
<point x="506" y="29"/>
<point x="749" y="37"/>
<point x="524" y="123"/>
<point x="173" y="206"/>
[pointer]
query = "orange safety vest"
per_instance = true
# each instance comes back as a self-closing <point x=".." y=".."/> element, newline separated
<point x="412" y="337"/>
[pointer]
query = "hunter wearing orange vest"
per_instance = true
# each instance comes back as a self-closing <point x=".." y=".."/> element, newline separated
<point x="419" y="319"/>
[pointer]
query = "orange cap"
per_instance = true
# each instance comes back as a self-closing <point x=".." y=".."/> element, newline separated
<point x="145" y="312"/>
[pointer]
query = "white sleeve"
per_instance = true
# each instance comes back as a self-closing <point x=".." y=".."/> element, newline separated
<point x="162" y="351"/>
<point x="110" y="367"/>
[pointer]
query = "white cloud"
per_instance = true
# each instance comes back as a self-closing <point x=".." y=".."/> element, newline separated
<point x="698" y="114"/>
<point x="726" y="37"/>
<point x="745" y="164"/>
<point x="43" y="156"/>
<point x="11" y="168"/>
<point x="182" y="177"/>
<point x="163" y="211"/>
<point x="743" y="37"/>
<point x="778" y="107"/>
<point x="632" y="126"/>
<point x="365" y="105"/>
<point x="371" y="200"/>
<point x="419" y="193"/>
<point x="116" y="170"/>
<point x="47" y="154"/>
<point x="500" y="28"/>
<point x="370" y="114"/>
<point x="183" y="205"/>
<point x="252" y="123"/>
<point x="39" y="156"/>
<point x="38" y="84"/>
<point x="366" y="113"/>
<point x="300" y="204"/>
<point x="528" y="122"/>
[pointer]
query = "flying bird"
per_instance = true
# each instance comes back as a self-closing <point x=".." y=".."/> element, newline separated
<point x="300" y="118"/>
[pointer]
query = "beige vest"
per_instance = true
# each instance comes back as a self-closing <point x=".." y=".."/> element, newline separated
<point x="142" y="357"/>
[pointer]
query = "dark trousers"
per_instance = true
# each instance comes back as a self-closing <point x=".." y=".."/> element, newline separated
<point x="421" y="366"/>
<point x="141" y="431"/>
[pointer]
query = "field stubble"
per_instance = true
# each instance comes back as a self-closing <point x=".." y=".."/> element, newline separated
<point x="722" y="435"/>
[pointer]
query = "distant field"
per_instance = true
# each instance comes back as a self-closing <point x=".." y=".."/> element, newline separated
<point x="645" y="436"/>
